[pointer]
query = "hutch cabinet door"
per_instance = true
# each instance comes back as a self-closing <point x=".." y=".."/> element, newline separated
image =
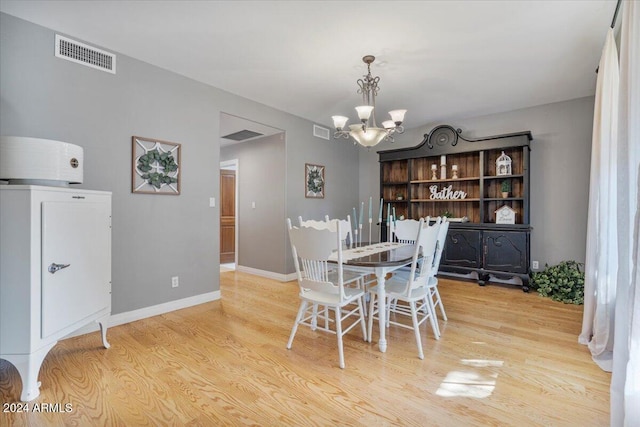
<point x="506" y="251"/>
<point x="462" y="249"/>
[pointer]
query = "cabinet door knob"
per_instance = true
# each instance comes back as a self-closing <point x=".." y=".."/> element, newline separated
<point x="55" y="267"/>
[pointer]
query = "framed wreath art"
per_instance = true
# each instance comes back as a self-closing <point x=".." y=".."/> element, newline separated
<point x="156" y="166"/>
<point x="313" y="181"/>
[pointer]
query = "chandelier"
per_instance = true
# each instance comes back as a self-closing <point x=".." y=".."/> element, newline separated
<point x="367" y="133"/>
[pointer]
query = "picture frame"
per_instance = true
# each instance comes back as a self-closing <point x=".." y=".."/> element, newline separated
<point x="314" y="181"/>
<point x="155" y="166"/>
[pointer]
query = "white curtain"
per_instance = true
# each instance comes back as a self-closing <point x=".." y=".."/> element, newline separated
<point x="601" y="260"/>
<point x="625" y="380"/>
<point x="611" y="319"/>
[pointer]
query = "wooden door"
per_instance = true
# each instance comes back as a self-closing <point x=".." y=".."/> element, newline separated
<point x="227" y="216"/>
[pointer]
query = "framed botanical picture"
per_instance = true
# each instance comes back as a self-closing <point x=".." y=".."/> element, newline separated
<point x="313" y="181"/>
<point x="155" y="167"/>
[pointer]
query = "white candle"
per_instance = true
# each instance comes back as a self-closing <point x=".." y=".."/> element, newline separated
<point x="361" y="213"/>
<point x="434" y="167"/>
<point x="380" y="214"/>
<point x="370" y="207"/>
<point x="443" y="160"/>
<point x="454" y="167"/>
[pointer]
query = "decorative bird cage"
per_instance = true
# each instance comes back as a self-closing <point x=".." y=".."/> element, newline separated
<point x="503" y="165"/>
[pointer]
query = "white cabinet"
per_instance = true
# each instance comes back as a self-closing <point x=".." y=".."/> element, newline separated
<point x="55" y="271"/>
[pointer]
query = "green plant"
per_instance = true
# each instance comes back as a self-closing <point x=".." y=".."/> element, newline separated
<point x="447" y="214"/>
<point x="164" y="162"/>
<point x="315" y="181"/>
<point x="563" y="282"/>
<point x="506" y="186"/>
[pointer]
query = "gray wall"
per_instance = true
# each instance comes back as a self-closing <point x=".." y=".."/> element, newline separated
<point x="560" y="163"/>
<point x="154" y="237"/>
<point x="340" y="159"/>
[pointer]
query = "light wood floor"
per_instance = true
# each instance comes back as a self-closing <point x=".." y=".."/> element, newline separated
<point x="505" y="358"/>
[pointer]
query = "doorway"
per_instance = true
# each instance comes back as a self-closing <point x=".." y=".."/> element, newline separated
<point x="228" y="215"/>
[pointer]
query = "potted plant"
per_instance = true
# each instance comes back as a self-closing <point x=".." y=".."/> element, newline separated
<point x="399" y="196"/>
<point x="505" y="188"/>
<point x="563" y="282"/>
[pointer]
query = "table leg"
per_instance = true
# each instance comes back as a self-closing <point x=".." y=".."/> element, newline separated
<point x="382" y="309"/>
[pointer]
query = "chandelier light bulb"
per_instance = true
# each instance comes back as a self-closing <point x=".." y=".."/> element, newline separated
<point x="364" y="112"/>
<point x="397" y="116"/>
<point x="339" y="122"/>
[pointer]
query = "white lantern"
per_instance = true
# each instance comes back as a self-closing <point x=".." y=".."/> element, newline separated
<point x="503" y="165"/>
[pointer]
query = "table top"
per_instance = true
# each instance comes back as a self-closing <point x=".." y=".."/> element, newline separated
<point x="379" y="255"/>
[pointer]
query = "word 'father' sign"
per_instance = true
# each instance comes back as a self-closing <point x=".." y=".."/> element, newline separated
<point x="446" y="193"/>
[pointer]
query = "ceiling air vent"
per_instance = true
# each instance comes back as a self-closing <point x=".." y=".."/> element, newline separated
<point x="242" y="135"/>
<point x="321" y="132"/>
<point x="81" y="53"/>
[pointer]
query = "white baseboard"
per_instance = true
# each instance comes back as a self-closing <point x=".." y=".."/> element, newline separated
<point x="268" y="274"/>
<point x="143" y="313"/>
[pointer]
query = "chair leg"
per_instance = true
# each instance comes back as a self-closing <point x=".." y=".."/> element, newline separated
<point x="326" y="317"/>
<point x="416" y="328"/>
<point x="303" y="308"/>
<point x="362" y="322"/>
<point x="339" y="335"/>
<point x="314" y="319"/>
<point x="439" y="302"/>
<point x="433" y="319"/>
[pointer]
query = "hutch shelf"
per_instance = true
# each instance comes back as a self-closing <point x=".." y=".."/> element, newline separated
<point x="490" y="231"/>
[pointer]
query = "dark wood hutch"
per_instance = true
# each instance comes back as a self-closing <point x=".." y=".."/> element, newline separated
<point x="475" y="243"/>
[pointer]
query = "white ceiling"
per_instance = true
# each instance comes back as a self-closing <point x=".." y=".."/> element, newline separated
<point x="440" y="60"/>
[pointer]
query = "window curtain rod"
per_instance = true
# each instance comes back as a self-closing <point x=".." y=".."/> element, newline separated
<point x="615" y="14"/>
<point x="613" y="22"/>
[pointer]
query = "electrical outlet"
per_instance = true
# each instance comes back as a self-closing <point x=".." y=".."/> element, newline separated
<point x="175" y="282"/>
<point x="535" y="265"/>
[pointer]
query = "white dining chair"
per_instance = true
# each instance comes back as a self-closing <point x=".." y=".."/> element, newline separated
<point x="405" y="231"/>
<point x="345" y="229"/>
<point x="403" y="274"/>
<point x="319" y="225"/>
<point x="350" y="278"/>
<point x="436" y="300"/>
<point x="321" y="282"/>
<point x="412" y="294"/>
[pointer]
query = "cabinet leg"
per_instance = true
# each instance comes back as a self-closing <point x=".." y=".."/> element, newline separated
<point x="482" y="279"/>
<point x="28" y="366"/>
<point x="103" y="332"/>
<point x="525" y="285"/>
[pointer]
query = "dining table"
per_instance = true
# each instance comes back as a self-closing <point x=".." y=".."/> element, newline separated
<point x="379" y="259"/>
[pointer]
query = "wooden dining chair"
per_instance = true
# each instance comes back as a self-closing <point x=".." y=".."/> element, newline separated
<point x="412" y="294"/>
<point x="321" y="282"/>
